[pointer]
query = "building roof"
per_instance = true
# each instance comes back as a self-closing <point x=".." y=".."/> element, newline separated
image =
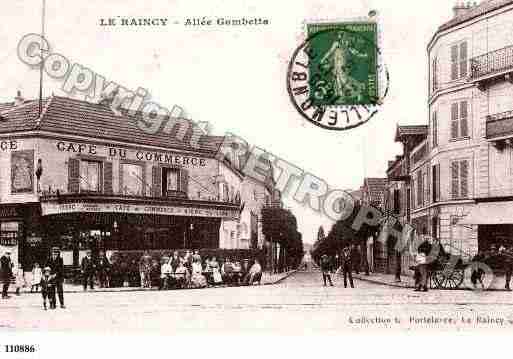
<point x="374" y="187"/>
<point x="76" y="117"/>
<point x="410" y="130"/>
<point x="481" y="9"/>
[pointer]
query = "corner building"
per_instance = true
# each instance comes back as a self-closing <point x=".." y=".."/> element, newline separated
<point x="82" y="177"/>
<point x="462" y="174"/>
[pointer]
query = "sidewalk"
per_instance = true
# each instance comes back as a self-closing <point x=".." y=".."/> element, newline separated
<point x="267" y="279"/>
<point x="408" y="282"/>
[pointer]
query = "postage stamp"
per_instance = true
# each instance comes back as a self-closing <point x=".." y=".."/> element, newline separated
<point x="336" y="78"/>
<point x="344" y="70"/>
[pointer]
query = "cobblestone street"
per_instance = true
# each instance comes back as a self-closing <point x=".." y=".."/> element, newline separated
<point x="299" y="303"/>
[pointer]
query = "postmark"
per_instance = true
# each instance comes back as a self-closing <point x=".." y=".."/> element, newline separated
<point x="336" y="78"/>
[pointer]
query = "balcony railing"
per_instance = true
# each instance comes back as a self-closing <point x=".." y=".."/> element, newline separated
<point x="494" y="62"/>
<point x="499" y="125"/>
<point x="170" y="195"/>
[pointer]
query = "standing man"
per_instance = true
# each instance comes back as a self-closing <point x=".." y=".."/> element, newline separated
<point x="5" y="273"/>
<point x="326" y="268"/>
<point x="347" y="266"/>
<point x="507" y="260"/>
<point x="57" y="270"/>
<point x="88" y="269"/>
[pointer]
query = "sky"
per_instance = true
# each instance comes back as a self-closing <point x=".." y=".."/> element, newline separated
<point x="234" y="77"/>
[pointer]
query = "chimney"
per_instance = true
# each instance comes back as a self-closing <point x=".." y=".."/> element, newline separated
<point x="18" y="100"/>
<point x="461" y="8"/>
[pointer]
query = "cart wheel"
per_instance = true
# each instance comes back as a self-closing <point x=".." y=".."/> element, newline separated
<point x="437" y="278"/>
<point x="449" y="279"/>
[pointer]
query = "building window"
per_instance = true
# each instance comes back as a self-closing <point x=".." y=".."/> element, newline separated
<point x="132" y="179"/>
<point x="169" y="180"/>
<point x="459" y="119"/>
<point x="434" y="129"/>
<point x="459" y="59"/>
<point x="435" y="74"/>
<point x="459" y="179"/>
<point x="397" y="201"/>
<point x="90" y="175"/>
<point x="420" y="189"/>
<point x="435" y="170"/>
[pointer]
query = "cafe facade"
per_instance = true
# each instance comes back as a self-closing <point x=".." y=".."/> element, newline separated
<point x="82" y="177"/>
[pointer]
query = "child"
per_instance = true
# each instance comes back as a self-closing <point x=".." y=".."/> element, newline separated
<point x="20" y="279"/>
<point x="37" y="274"/>
<point x="48" y="288"/>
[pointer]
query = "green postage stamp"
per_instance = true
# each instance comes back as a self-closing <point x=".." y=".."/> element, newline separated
<point x="343" y="63"/>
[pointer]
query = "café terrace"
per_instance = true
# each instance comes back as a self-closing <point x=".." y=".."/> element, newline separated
<point x="80" y="177"/>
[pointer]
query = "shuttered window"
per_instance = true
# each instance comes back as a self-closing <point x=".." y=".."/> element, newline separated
<point x="435" y="74"/>
<point x="459" y="119"/>
<point x="454" y="62"/>
<point x="73" y="175"/>
<point x="156" y="181"/>
<point x="436" y="182"/>
<point x="463" y="59"/>
<point x="434" y="129"/>
<point x="184" y="180"/>
<point x="459" y="60"/>
<point x="107" y="178"/>
<point x="459" y="179"/>
<point x="420" y="189"/>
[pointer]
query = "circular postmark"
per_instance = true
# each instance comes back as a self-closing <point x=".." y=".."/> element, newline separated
<point x="336" y="78"/>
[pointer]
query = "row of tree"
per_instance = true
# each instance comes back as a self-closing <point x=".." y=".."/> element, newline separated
<point x="279" y="226"/>
<point x="343" y="234"/>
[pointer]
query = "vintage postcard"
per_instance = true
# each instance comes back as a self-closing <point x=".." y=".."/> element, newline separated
<point x="250" y="167"/>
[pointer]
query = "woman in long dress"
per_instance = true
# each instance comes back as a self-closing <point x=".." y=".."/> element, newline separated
<point x="37" y="274"/>
<point x="216" y="272"/>
<point x="198" y="280"/>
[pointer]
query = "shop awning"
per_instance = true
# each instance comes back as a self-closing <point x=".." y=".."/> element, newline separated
<point x="489" y="213"/>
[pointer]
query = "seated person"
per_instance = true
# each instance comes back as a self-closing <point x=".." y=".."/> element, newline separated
<point x="255" y="273"/>
<point x="165" y="275"/>
<point x="181" y="275"/>
<point x="227" y="271"/>
<point x="237" y="272"/>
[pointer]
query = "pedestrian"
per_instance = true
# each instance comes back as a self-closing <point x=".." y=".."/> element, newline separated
<point x="104" y="269"/>
<point x="477" y="272"/>
<point x="145" y="270"/>
<point x="48" y="288"/>
<point x="355" y="258"/>
<point x="5" y="273"/>
<point x="347" y="266"/>
<point x="56" y="265"/>
<point x="37" y="274"/>
<point x="19" y="276"/>
<point x="88" y="268"/>
<point x="420" y="260"/>
<point x="326" y="268"/>
<point x="507" y="260"/>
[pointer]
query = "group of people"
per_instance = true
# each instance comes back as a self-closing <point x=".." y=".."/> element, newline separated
<point x="345" y="265"/>
<point x="49" y="279"/>
<point x="190" y="271"/>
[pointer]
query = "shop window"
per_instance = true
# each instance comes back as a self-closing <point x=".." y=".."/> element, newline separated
<point x="9" y="233"/>
<point x="132" y="179"/>
<point x="90" y="175"/>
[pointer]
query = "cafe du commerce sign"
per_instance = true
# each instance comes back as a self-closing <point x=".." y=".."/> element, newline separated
<point x="176" y="159"/>
<point x="82" y="207"/>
